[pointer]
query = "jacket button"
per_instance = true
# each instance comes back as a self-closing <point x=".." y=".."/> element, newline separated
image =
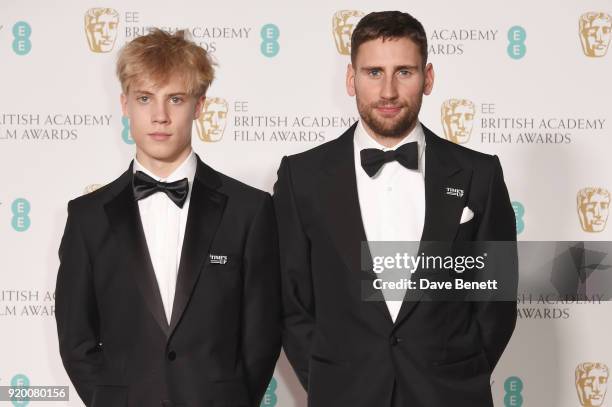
<point x="395" y="340"/>
<point x="171" y="355"/>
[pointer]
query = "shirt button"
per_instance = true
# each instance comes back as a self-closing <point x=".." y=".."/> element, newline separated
<point x="389" y="189"/>
<point x="171" y="355"/>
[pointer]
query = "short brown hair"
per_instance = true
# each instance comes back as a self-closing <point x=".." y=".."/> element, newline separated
<point x="389" y="25"/>
<point x="159" y="54"/>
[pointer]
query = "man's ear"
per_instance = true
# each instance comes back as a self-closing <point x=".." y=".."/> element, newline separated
<point x="123" y="99"/>
<point x="198" y="106"/>
<point x="350" y="80"/>
<point x="429" y="79"/>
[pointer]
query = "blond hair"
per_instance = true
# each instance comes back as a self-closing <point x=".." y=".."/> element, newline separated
<point x="159" y="55"/>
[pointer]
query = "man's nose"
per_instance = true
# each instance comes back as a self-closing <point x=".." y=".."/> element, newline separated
<point x="389" y="89"/>
<point x="160" y="113"/>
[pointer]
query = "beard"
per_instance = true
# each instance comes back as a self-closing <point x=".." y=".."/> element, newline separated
<point x="396" y="127"/>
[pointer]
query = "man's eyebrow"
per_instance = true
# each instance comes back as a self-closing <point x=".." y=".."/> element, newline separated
<point x="409" y="67"/>
<point x="395" y="68"/>
<point x="371" y="68"/>
<point x="146" y="92"/>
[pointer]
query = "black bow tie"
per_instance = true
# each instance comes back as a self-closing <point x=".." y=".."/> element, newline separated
<point x="145" y="186"/>
<point x="372" y="159"/>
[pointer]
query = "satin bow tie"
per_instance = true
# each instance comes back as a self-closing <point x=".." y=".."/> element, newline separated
<point x="372" y="159"/>
<point x="145" y="186"/>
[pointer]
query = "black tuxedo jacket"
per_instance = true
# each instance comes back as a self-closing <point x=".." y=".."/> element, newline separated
<point x="223" y="340"/>
<point x="349" y="352"/>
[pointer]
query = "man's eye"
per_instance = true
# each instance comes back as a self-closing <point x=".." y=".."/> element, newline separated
<point x="404" y="72"/>
<point x="176" y="99"/>
<point x="143" y="99"/>
<point x="375" y="73"/>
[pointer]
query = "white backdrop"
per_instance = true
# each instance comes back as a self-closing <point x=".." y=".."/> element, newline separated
<point x="61" y="132"/>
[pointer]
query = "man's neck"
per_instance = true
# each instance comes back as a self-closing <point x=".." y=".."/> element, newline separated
<point x="160" y="168"/>
<point x="388" y="142"/>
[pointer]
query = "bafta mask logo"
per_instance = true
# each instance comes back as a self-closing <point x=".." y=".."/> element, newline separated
<point x="458" y="119"/>
<point x="92" y="187"/>
<point x="595" y="32"/>
<point x="592" y="383"/>
<point x="593" y="208"/>
<point x="212" y="121"/>
<point x="101" y="28"/>
<point x="343" y="24"/>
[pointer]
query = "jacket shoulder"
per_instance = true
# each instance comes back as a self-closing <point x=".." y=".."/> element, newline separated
<point x="246" y="196"/>
<point x="97" y="198"/>
<point x="312" y="159"/>
<point x="466" y="156"/>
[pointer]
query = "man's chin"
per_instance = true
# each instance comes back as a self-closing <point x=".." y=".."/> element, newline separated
<point x="392" y="128"/>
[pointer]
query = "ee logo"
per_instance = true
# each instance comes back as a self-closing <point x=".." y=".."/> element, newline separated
<point x="21" y="210"/>
<point x="513" y="387"/>
<point x="516" y="45"/>
<point x="269" y="398"/>
<point x="22" y="44"/>
<point x="269" y="44"/>
<point x="20" y="380"/>
<point x="125" y="131"/>
<point x="519" y="212"/>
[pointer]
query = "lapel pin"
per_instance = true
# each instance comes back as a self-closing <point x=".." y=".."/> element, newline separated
<point x="454" y="192"/>
<point x="217" y="259"/>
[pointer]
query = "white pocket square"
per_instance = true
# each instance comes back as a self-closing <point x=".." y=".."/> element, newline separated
<point x="466" y="215"/>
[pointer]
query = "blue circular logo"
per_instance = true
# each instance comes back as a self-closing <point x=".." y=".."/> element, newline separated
<point x="21" y="33"/>
<point x="269" y="45"/>
<point x="125" y="130"/>
<point x="20" y="380"/>
<point x="516" y="42"/>
<point x="513" y="387"/>
<point x="269" y="399"/>
<point x="20" y="209"/>
<point x="519" y="213"/>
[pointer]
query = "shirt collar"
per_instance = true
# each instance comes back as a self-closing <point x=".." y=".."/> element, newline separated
<point x="187" y="169"/>
<point x="364" y="140"/>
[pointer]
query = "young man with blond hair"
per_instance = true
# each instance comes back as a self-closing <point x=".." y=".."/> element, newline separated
<point x="168" y="288"/>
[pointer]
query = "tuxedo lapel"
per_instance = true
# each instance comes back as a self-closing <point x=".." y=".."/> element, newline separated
<point x="340" y="203"/>
<point x="206" y="208"/>
<point x="124" y="219"/>
<point x="445" y="180"/>
<point x="444" y="177"/>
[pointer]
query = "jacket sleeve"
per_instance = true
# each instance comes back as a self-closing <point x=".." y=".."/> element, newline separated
<point x="497" y="319"/>
<point x="298" y="296"/>
<point x="261" y="307"/>
<point x="76" y="312"/>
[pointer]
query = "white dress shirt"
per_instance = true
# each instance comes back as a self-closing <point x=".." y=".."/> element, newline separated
<point x="164" y="228"/>
<point x="392" y="202"/>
